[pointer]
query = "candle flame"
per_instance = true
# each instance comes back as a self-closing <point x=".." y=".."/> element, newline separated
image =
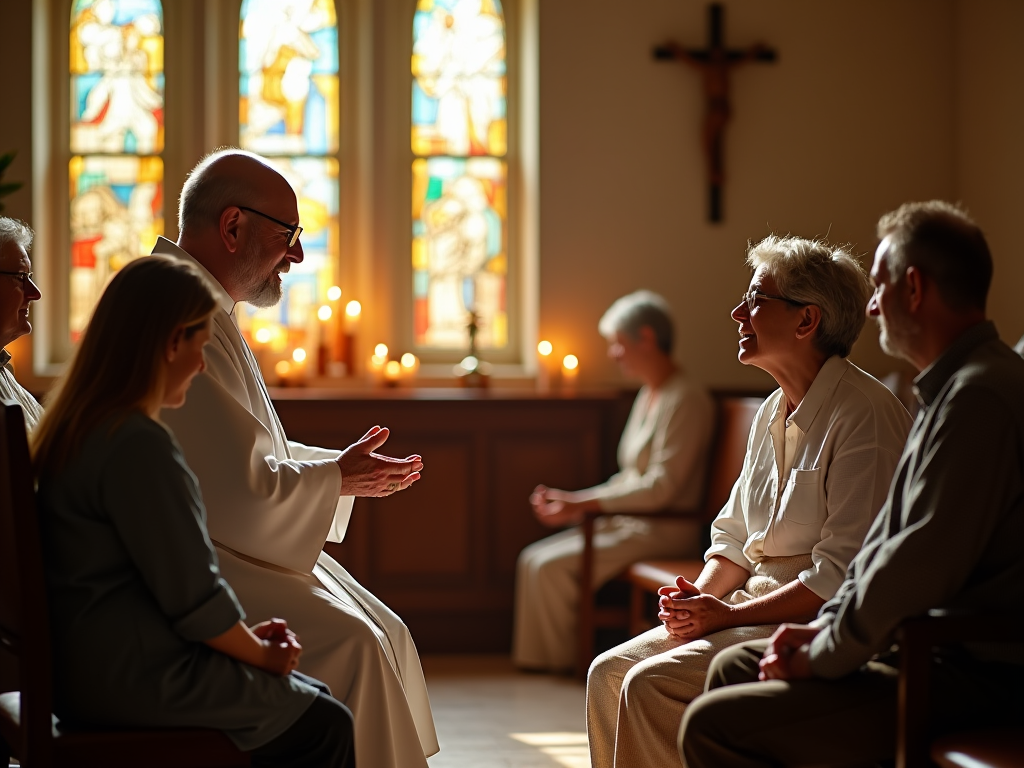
<point x="283" y="367"/>
<point x="299" y="355"/>
<point x="545" y="348"/>
<point x="570" y="362"/>
<point x="263" y="335"/>
<point x="324" y="313"/>
<point x="381" y="350"/>
<point x="409" y="360"/>
<point x="353" y="308"/>
<point x="334" y="293"/>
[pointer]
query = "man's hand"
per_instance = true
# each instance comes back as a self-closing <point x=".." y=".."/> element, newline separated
<point x="365" y="473"/>
<point x="787" y="655"/>
<point x="281" y="649"/>
<point x="689" y="618"/>
<point x="555" y="508"/>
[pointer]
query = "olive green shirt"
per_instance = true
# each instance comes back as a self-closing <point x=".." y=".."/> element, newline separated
<point x="951" y="533"/>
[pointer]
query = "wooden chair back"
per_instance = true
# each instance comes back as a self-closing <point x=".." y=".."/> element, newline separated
<point x="24" y="621"/>
<point x="735" y="414"/>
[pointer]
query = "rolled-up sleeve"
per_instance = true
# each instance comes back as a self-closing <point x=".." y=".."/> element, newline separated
<point x="729" y="530"/>
<point x="154" y="503"/>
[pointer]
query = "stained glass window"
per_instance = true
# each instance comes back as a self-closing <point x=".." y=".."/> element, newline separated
<point x="288" y="112"/>
<point x="117" y="135"/>
<point x="459" y="206"/>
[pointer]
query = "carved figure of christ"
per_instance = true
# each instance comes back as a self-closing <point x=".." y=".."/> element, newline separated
<point x="714" y="64"/>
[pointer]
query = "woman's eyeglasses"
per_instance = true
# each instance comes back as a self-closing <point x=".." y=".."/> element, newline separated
<point x="25" y="277"/>
<point x="751" y="297"/>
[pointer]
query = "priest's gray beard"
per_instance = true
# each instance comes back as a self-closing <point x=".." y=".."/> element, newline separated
<point x="261" y="290"/>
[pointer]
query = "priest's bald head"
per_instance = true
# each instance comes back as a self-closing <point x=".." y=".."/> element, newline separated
<point x="239" y="218"/>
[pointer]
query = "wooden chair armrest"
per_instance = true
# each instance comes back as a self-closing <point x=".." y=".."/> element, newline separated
<point x="673" y="514"/>
<point x="916" y="637"/>
<point x="938" y="627"/>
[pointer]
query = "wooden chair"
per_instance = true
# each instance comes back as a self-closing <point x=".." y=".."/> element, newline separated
<point x="990" y="748"/>
<point x="735" y="414"/>
<point x="28" y="729"/>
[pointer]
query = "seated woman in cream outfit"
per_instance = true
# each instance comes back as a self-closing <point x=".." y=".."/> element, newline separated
<point x="662" y="459"/>
<point x="821" y="454"/>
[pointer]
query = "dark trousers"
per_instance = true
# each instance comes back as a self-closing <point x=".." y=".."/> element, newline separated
<point x="321" y="738"/>
<point x="741" y="722"/>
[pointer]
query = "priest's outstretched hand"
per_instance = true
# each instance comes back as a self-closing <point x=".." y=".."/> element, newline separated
<point x="365" y="473"/>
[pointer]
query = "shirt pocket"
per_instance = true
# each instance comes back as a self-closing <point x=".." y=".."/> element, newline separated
<point x="803" y="498"/>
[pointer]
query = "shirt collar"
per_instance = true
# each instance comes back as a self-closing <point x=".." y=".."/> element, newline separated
<point x="828" y="376"/>
<point x="932" y="379"/>
<point x="165" y="247"/>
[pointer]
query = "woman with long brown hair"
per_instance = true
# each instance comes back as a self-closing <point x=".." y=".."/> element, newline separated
<point x="146" y="633"/>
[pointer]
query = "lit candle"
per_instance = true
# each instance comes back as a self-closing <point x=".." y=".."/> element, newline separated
<point x="378" y="361"/>
<point x="298" y="366"/>
<point x="353" y="310"/>
<point x="283" y="369"/>
<point x="410" y="366"/>
<point x="392" y="372"/>
<point x="570" y="371"/>
<point x="544" y="350"/>
<point x="323" y="352"/>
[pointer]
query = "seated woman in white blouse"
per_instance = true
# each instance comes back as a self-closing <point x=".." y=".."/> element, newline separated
<point x="821" y="454"/>
<point x="662" y="459"/>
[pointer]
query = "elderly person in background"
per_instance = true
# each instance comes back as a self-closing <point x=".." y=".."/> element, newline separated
<point x="822" y="451"/>
<point x="16" y="292"/>
<point x="662" y="459"/>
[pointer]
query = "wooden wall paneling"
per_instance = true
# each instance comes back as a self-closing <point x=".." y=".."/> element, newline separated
<point x="442" y="554"/>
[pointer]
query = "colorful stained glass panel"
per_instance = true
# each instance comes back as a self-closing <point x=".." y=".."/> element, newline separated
<point x="288" y="77"/>
<point x="459" y="87"/>
<point x="315" y="181"/>
<point x="117" y="81"/>
<point x="459" y="251"/>
<point x="116" y="216"/>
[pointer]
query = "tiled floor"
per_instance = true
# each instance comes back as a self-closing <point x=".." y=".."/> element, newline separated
<point x="488" y="715"/>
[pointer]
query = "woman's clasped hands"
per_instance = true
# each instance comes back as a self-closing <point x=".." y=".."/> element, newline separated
<point x="687" y="613"/>
<point x="281" y="648"/>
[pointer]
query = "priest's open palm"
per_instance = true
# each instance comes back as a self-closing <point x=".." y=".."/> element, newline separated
<point x="365" y="473"/>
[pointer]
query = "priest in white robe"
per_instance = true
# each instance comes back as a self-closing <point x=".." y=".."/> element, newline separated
<point x="273" y="502"/>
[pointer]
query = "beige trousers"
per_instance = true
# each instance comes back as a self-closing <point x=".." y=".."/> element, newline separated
<point x="547" y="581"/>
<point x="637" y="692"/>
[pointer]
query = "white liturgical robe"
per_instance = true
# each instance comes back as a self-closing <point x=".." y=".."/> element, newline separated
<point x="271" y="504"/>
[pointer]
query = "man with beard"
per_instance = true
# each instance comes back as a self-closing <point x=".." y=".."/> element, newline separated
<point x="948" y="536"/>
<point x="272" y="502"/>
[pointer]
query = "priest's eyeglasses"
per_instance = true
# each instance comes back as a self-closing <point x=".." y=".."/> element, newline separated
<point x="25" y="277"/>
<point x="751" y="297"/>
<point x="294" y="230"/>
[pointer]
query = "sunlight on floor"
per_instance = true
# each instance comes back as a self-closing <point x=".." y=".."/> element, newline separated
<point x="568" y="748"/>
<point x="489" y="715"/>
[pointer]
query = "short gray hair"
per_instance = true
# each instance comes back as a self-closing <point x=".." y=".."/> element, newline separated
<point x="205" y="196"/>
<point x="15" y="231"/>
<point x="814" y="272"/>
<point x="640" y="309"/>
<point x="945" y="243"/>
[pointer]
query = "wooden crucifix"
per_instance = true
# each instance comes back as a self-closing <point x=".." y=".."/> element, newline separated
<point x="714" y="63"/>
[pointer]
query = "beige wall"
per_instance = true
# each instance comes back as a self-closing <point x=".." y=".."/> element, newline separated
<point x="871" y="103"/>
<point x="990" y="143"/>
<point x="855" y="117"/>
